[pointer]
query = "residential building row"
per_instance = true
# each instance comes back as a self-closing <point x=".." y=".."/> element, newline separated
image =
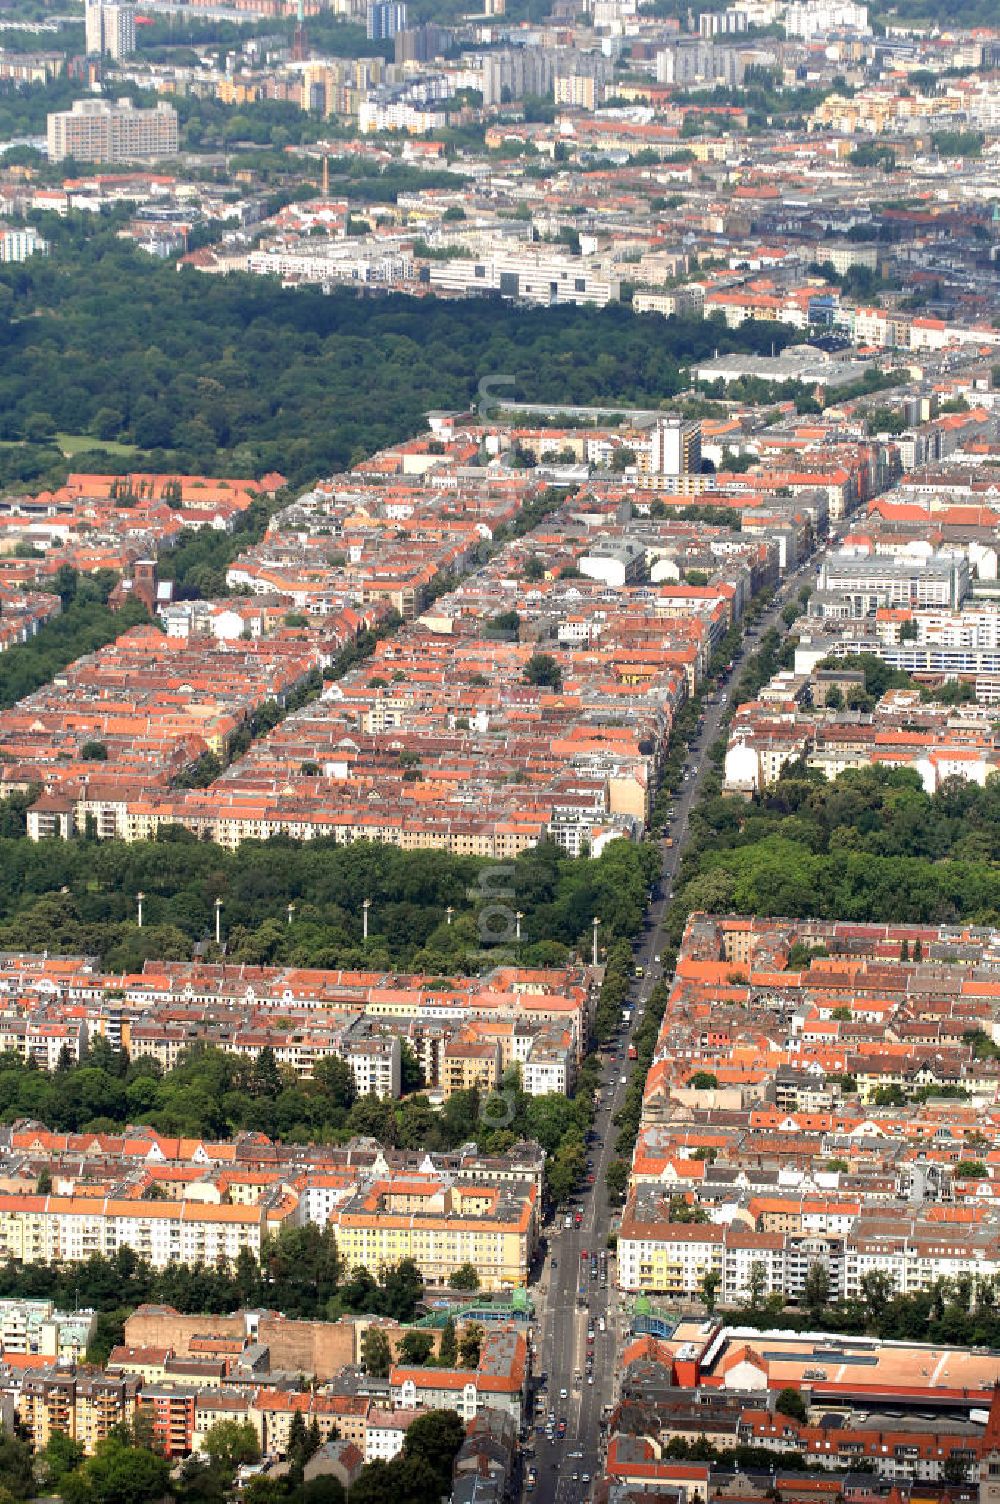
<point x="465" y="1033"/>
<point x="440" y="1222"/>
<point x="183" y="1393"/>
<point x="704" y="1382"/>
<point x="446" y="719"/>
<point x="112" y="521"/>
<point x="794" y="720"/>
<point x="820" y="1094"/>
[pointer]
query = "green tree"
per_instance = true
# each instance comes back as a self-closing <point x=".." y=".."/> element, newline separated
<point x="16" y="1473"/>
<point x="118" y="1473"/>
<point x="791" y="1403"/>
<point x="411" y="1071"/>
<point x="434" y="1439"/>
<point x="402" y="1286"/>
<point x="877" y="1290"/>
<point x="231" y="1443"/>
<point x="465" y="1277"/>
<point x="470" y="1345"/>
<point x="703" y="1081"/>
<point x="616" y="1178"/>
<point x="335" y="1079"/>
<point x="543" y="670"/>
<point x="710" y="1283"/>
<point x="59" y="1457"/>
<point x="816" y="1288"/>
<point x="265" y="1078"/>
<point x="757" y="1284"/>
<point x="448" y="1346"/>
<point x="415" y="1348"/>
<point x="376" y="1354"/>
<point x="565" y="1168"/>
<point x="301" y="1445"/>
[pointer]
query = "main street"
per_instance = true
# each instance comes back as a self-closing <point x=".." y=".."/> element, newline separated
<point x="567" y="1466"/>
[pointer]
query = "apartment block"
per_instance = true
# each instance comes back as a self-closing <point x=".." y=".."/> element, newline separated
<point x="866" y="584"/>
<point x="83" y="1403"/>
<point x="549" y="280"/>
<point x="676" y="447"/>
<point x="53" y="1228"/>
<point x="19" y="244"/>
<point x="499" y="1381"/>
<point x="442" y="1227"/>
<point x="109" y="29"/>
<point x="95" y="130"/>
<point x="824" y="1112"/>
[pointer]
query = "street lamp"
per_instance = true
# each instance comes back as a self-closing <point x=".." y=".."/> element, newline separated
<point x="597" y="925"/>
<point x="218" y="921"/>
<point x="139" y="898"/>
<point x="364" y="917"/>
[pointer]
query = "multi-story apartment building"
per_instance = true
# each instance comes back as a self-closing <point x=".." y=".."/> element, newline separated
<point x="865" y="584"/>
<point x="110" y="29"/>
<point x="85" y="1404"/>
<point x="53" y="1228"/>
<point x="514" y="72"/>
<point x="676" y="447"/>
<point x="529" y="276"/>
<point x="442" y="1226"/>
<point x="95" y="130"/>
<point x="498" y="1381"/>
<point x="35" y="1326"/>
<point x="17" y="244"/>
<point x="385" y="18"/>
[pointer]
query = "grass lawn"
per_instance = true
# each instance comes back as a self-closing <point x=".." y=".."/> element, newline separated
<point x="77" y="443"/>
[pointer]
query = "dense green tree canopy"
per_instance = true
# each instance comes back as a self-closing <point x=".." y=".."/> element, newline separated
<point x="79" y="897"/>
<point x="869" y="846"/>
<point x="237" y="374"/>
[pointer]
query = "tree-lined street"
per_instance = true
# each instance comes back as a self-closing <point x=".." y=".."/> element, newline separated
<point x="572" y="1299"/>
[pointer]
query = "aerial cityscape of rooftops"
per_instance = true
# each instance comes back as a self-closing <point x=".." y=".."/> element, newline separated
<point x="499" y="751"/>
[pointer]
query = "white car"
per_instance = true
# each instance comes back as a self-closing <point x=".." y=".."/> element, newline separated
<point x="563" y="1395"/>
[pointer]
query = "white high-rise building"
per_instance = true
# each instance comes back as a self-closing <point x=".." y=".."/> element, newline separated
<point x="675" y="447"/>
<point x="817" y="18"/>
<point x="19" y="244"/>
<point x="109" y="29"/>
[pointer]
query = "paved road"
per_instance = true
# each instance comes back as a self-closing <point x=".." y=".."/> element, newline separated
<point x="567" y="1467"/>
